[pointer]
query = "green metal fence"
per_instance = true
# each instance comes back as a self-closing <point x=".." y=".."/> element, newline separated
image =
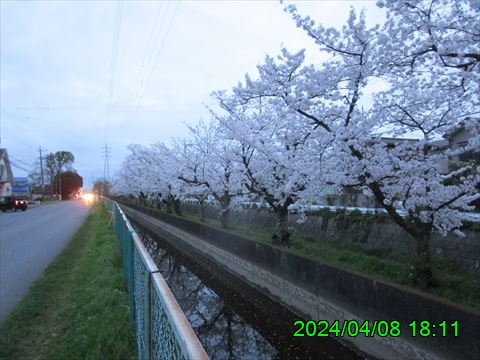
<point x="161" y="328"/>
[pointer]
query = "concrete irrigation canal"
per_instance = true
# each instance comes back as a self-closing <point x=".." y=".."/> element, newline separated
<point x="231" y="319"/>
<point x="247" y="300"/>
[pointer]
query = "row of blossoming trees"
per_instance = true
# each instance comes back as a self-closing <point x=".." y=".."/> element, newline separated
<point x="296" y="128"/>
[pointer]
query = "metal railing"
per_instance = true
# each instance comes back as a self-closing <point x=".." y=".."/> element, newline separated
<point x="161" y="328"/>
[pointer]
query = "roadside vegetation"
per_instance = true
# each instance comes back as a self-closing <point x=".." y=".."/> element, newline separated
<point x="79" y="308"/>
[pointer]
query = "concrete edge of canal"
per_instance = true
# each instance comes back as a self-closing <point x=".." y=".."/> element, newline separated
<point x="385" y="302"/>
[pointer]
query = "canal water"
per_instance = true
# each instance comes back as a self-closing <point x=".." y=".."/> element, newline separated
<point x="232" y="319"/>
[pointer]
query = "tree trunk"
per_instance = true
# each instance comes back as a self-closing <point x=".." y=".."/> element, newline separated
<point x="421" y="232"/>
<point x="202" y="210"/>
<point x="158" y="201"/>
<point x="142" y="199"/>
<point x="168" y="204"/>
<point x="225" y="218"/>
<point x="423" y="276"/>
<point x="281" y="235"/>
<point x="225" y="212"/>
<point x="177" y="208"/>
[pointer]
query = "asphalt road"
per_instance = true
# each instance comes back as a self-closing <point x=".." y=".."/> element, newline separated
<point x="29" y="241"/>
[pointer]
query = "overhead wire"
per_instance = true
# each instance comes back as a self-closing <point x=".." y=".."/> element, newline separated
<point x="149" y="48"/>
<point x="159" y="52"/>
<point x="113" y="62"/>
<point x="78" y="109"/>
<point x="152" y="65"/>
<point x="11" y="138"/>
<point x="14" y="164"/>
<point x="16" y="140"/>
<point x="148" y="54"/>
<point x="158" y="36"/>
<point x="17" y="130"/>
<point x="21" y="162"/>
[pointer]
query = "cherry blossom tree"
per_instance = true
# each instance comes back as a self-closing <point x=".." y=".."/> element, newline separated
<point x="206" y="162"/>
<point x="191" y="158"/>
<point x="198" y="166"/>
<point x="278" y="162"/>
<point x="148" y="172"/>
<point x="172" y="189"/>
<point x="134" y="176"/>
<point x="426" y="55"/>
<point x="225" y="179"/>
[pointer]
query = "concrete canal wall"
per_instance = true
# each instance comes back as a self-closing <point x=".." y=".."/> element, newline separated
<point x="320" y="291"/>
<point x="374" y="230"/>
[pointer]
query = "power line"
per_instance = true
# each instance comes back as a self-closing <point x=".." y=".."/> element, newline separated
<point x="81" y="109"/>
<point x="21" y="162"/>
<point x="17" y="133"/>
<point x="152" y="68"/>
<point x="136" y="102"/>
<point x="148" y="54"/>
<point x="113" y="64"/>
<point x="18" y="166"/>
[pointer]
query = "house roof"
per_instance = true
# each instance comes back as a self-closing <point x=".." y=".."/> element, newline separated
<point x="4" y="156"/>
<point x="459" y="128"/>
<point x="393" y="140"/>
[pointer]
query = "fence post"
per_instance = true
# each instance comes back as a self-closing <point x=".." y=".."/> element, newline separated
<point x="148" y="313"/>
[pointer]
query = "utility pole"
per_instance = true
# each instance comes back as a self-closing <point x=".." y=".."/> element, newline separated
<point x="41" y="171"/>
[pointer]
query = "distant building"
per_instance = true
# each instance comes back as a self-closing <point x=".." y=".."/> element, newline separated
<point x="392" y="142"/>
<point x="6" y="176"/>
<point x="455" y="140"/>
<point x="21" y="187"/>
<point x="458" y="139"/>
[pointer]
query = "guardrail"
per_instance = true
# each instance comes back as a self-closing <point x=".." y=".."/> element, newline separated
<point x="161" y="328"/>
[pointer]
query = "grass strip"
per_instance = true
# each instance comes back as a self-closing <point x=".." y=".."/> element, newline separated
<point x="454" y="282"/>
<point x="79" y="308"/>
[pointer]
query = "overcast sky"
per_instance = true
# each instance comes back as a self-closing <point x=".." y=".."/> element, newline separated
<point x="77" y="75"/>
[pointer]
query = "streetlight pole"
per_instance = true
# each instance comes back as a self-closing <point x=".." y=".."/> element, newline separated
<point x="41" y="172"/>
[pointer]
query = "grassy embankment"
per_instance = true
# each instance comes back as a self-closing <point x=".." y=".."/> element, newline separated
<point x="454" y="282"/>
<point x="79" y="308"/>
